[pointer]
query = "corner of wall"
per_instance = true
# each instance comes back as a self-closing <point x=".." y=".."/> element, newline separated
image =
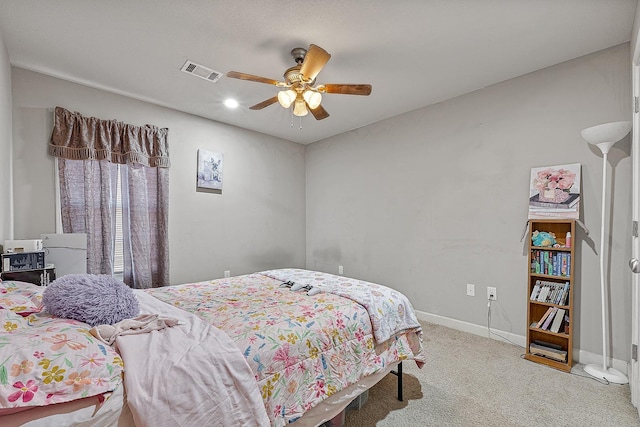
<point x="634" y="35"/>
<point x="6" y="145"/>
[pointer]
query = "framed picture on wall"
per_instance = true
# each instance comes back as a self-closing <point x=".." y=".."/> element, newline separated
<point x="210" y="166"/>
<point x="555" y="191"/>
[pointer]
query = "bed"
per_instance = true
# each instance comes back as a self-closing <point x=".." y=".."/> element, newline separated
<point x="253" y="345"/>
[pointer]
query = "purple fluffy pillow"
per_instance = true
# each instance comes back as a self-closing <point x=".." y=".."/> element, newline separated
<point x="90" y="298"/>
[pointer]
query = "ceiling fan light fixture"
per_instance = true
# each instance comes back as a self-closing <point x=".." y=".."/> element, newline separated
<point x="297" y="90"/>
<point x="286" y="97"/>
<point x="313" y="98"/>
<point x="300" y="108"/>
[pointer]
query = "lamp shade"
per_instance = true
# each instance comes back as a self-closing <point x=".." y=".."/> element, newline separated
<point x="313" y="98"/>
<point x="607" y="134"/>
<point x="286" y="97"/>
<point x="300" y="108"/>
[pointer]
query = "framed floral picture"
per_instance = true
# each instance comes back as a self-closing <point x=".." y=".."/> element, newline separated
<point x="554" y="191"/>
<point x="210" y="166"/>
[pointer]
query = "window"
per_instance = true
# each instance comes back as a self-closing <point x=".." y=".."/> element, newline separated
<point x="117" y="196"/>
<point x="118" y="238"/>
<point x="118" y="231"/>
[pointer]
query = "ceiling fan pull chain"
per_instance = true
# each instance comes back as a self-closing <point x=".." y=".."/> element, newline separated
<point x="291" y="117"/>
<point x="300" y="122"/>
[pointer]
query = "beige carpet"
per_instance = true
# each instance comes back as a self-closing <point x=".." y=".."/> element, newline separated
<point x="476" y="381"/>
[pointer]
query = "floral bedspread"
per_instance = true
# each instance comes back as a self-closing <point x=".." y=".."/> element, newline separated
<point x="389" y="310"/>
<point x="45" y="359"/>
<point x="301" y="348"/>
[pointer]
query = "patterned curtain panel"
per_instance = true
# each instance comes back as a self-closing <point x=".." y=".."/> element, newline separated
<point x="86" y="188"/>
<point x="145" y="207"/>
<point x="89" y="149"/>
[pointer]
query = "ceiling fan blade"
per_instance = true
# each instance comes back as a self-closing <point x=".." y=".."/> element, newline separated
<point x="313" y="62"/>
<point x="251" y="77"/>
<point x="346" y="89"/>
<point x="319" y="112"/>
<point x="263" y="104"/>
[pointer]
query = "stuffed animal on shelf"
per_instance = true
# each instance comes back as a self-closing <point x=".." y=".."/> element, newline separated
<point x="543" y="238"/>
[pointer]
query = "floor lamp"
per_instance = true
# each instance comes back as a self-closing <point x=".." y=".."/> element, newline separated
<point x="604" y="136"/>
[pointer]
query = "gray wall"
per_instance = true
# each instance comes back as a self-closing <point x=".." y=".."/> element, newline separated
<point x="431" y="200"/>
<point x="426" y="202"/>
<point x="258" y="221"/>
<point x="5" y="143"/>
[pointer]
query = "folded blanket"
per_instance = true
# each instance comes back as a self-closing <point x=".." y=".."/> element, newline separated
<point x="138" y="325"/>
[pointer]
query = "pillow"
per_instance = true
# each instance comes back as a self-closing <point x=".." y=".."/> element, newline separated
<point x="21" y="298"/>
<point x="96" y="299"/>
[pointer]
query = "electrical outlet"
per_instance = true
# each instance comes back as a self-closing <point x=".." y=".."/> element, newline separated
<point x="340" y="270"/>
<point x="471" y="290"/>
<point x="227" y="273"/>
<point x="492" y="293"/>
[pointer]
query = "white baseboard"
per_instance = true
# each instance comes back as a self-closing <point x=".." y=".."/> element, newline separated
<point x="581" y="356"/>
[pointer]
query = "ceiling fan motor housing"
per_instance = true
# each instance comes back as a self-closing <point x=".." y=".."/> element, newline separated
<point x="298" y="54"/>
<point x="295" y="79"/>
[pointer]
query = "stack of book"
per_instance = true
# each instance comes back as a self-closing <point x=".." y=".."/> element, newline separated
<point x="551" y="351"/>
<point x="550" y="292"/>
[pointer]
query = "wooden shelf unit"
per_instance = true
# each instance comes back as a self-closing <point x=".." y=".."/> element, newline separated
<point x="537" y="309"/>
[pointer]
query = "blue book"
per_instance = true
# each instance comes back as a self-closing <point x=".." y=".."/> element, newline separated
<point x="546" y="262"/>
<point x="539" y="265"/>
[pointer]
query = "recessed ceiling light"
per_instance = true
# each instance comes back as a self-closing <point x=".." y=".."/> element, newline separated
<point x="231" y="103"/>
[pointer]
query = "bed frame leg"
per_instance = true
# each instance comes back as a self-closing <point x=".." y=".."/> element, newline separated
<point x="398" y="373"/>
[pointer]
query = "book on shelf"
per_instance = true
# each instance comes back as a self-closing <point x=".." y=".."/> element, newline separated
<point x="557" y="320"/>
<point x="564" y="297"/>
<point x="547" y="321"/>
<point x="563" y="268"/>
<point x="535" y="291"/>
<point x="544" y="291"/>
<point x="548" y="344"/>
<point x="544" y="317"/>
<point x="548" y="262"/>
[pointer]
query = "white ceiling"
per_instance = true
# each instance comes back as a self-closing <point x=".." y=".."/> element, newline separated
<point x="413" y="52"/>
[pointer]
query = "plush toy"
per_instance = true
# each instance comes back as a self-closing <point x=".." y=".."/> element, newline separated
<point x="543" y="238"/>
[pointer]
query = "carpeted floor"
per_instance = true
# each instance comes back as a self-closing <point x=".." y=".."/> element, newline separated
<point x="476" y="381"/>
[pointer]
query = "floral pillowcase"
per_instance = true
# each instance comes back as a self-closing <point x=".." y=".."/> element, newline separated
<point x="25" y="302"/>
<point x="46" y="359"/>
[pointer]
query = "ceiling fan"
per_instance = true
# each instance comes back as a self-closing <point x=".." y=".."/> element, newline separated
<point x="298" y="87"/>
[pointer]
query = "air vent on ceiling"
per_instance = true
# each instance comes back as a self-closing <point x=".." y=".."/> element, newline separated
<point x="203" y="72"/>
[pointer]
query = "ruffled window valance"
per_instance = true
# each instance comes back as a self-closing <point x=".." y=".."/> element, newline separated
<point x="76" y="137"/>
